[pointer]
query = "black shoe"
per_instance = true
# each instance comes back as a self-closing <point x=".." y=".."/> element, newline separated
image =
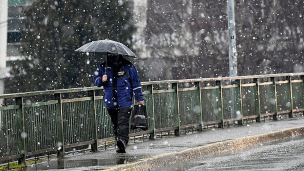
<point x="120" y="151"/>
<point x="121" y="146"/>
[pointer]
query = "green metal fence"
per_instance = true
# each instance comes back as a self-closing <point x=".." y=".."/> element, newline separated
<point x="30" y="127"/>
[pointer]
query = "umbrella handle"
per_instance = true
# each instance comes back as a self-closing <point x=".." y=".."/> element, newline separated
<point x="106" y="66"/>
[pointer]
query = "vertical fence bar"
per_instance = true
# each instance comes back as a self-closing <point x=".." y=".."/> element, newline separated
<point x="240" y="107"/>
<point x="290" y="115"/>
<point x="200" y="113"/>
<point x="92" y="115"/>
<point x="275" y="116"/>
<point x="176" y="111"/>
<point x="152" y="126"/>
<point x="257" y="100"/>
<point x="220" y="105"/>
<point x="59" y="122"/>
<point x="21" y="131"/>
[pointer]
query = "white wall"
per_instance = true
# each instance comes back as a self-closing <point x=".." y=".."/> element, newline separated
<point x="3" y="44"/>
<point x="3" y="32"/>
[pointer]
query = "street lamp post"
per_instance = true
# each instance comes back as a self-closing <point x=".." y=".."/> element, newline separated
<point x="232" y="52"/>
<point x="232" y="39"/>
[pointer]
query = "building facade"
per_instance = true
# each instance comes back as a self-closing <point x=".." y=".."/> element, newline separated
<point x="11" y="20"/>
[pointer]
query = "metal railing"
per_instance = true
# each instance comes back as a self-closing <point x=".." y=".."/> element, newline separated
<point x="30" y="127"/>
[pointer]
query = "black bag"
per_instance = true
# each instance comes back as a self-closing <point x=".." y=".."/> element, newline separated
<point x="139" y="117"/>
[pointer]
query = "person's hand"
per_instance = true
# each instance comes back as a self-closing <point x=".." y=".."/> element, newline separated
<point x="104" y="78"/>
<point x="140" y="102"/>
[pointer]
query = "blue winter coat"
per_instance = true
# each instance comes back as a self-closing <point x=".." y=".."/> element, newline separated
<point x="128" y="82"/>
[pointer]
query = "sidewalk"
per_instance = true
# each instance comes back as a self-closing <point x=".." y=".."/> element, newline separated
<point x="152" y="153"/>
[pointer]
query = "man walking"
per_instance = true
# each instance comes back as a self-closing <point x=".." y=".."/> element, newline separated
<point x="120" y="80"/>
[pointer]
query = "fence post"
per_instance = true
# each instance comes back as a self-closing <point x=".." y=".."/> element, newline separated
<point x="257" y="100"/>
<point x="275" y="116"/>
<point x="176" y="111"/>
<point x="151" y="124"/>
<point x="220" y="105"/>
<point x="302" y="99"/>
<point x="59" y="123"/>
<point x="290" y="115"/>
<point x="200" y="112"/>
<point x="21" y="131"/>
<point x="92" y="115"/>
<point x="240" y="106"/>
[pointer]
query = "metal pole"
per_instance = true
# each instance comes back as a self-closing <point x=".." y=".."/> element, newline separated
<point x="232" y="39"/>
<point x="232" y="52"/>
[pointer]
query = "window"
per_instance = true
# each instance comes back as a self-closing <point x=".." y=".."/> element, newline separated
<point x="20" y="2"/>
<point x="13" y="36"/>
<point x="16" y="2"/>
<point x="13" y="49"/>
<point x="15" y="24"/>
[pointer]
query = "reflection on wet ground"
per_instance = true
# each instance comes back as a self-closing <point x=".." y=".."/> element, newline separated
<point x="85" y="164"/>
<point x="283" y="154"/>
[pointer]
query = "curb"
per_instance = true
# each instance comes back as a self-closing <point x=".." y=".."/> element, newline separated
<point x="162" y="159"/>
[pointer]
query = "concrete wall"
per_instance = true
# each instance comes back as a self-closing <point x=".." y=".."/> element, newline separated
<point x="140" y="20"/>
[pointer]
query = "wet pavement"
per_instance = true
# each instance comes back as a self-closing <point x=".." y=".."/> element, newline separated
<point x="140" y="150"/>
<point x="280" y="155"/>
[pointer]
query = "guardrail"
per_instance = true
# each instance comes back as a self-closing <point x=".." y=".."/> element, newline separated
<point x="70" y="118"/>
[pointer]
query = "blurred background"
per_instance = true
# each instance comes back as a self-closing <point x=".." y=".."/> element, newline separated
<point x="173" y="39"/>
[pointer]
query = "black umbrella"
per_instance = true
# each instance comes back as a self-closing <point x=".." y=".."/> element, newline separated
<point x="105" y="47"/>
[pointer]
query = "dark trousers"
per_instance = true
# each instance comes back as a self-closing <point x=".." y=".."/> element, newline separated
<point x="120" y="122"/>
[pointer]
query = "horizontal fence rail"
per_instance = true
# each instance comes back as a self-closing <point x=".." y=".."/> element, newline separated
<point x="56" y="121"/>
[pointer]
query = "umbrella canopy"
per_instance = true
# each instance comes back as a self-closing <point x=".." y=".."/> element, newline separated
<point x="105" y="47"/>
